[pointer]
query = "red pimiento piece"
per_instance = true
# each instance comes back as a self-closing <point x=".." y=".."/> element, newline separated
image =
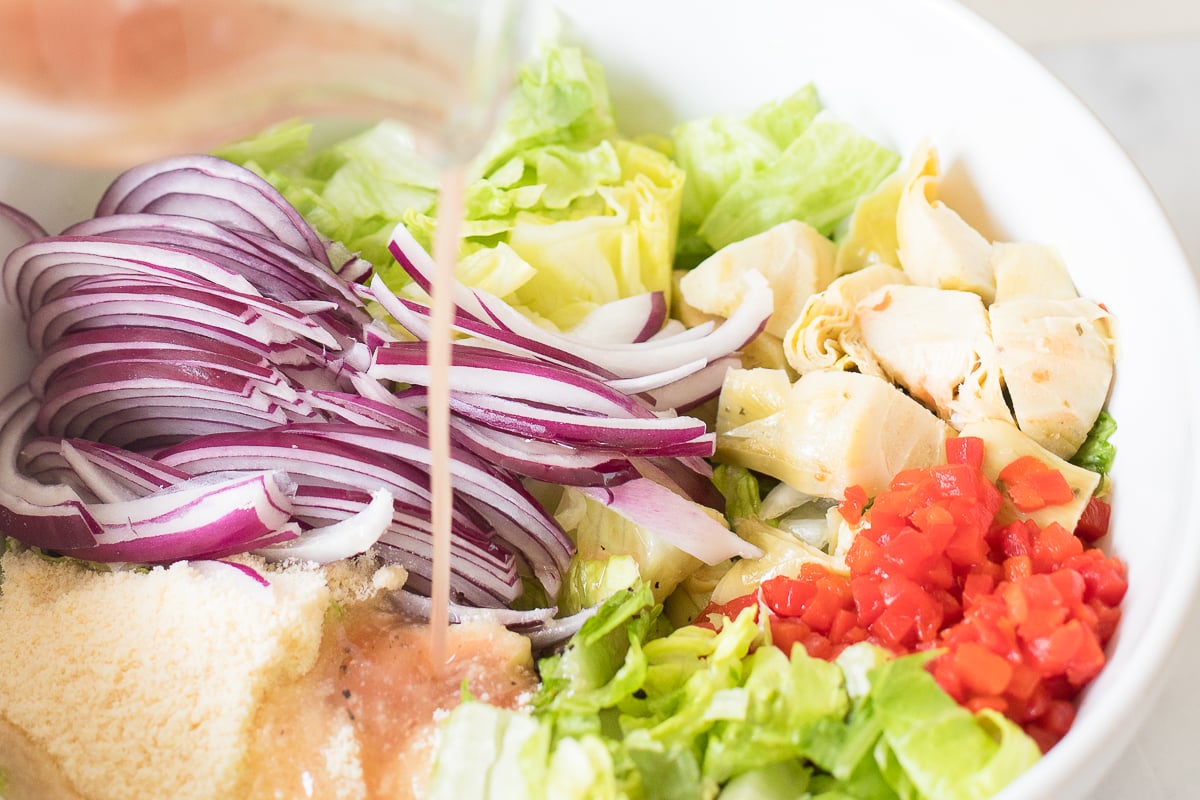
<point x="1093" y="524"/>
<point x="730" y="610"/>
<point x="1021" y="612"/>
<point x="1032" y="485"/>
<point x="965" y="450"/>
<point x="852" y="507"/>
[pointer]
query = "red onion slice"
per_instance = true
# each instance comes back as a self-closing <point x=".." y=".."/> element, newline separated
<point x="213" y="189"/>
<point x="677" y="521"/>
<point x="349" y="537"/>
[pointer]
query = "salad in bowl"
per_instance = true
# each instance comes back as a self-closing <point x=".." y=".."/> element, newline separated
<point x="783" y="413"/>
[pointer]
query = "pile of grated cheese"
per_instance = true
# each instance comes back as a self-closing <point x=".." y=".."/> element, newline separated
<point x="114" y="674"/>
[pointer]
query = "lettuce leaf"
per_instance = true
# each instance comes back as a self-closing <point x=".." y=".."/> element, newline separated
<point x="633" y="713"/>
<point x="786" y="160"/>
<point x="942" y="748"/>
<point x="717" y="151"/>
<point x="589" y="582"/>
<point x="817" y="179"/>
<point x="561" y="97"/>
<point x="1097" y="452"/>
<point x="739" y="486"/>
<point x="584" y="216"/>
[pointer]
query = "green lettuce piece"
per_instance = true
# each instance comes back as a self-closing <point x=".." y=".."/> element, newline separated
<point x="739" y="487"/>
<point x="353" y="191"/>
<point x="666" y="773"/>
<point x="617" y="242"/>
<point x="784" y="700"/>
<point x="817" y="179"/>
<point x="588" y="583"/>
<point x="276" y="148"/>
<point x="718" y="151"/>
<point x="487" y="752"/>
<point x="561" y="97"/>
<point x="604" y="663"/>
<point x="582" y="768"/>
<point x="783" y="780"/>
<point x="625" y="712"/>
<point x="600" y="533"/>
<point x="1097" y="452"/>
<point x="941" y="747"/>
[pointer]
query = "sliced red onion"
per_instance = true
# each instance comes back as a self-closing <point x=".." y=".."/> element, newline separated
<point x="346" y="538"/>
<point x="638" y="436"/>
<point x="628" y="320"/>
<point x="220" y="569"/>
<point x="216" y="512"/>
<point x="279" y="536"/>
<point x="92" y="414"/>
<point x="286" y="268"/>
<point x="475" y="369"/>
<point x="101" y="483"/>
<point x="701" y="386"/>
<point x="677" y="521"/>
<point x="25" y="226"/>
<point x="213" y="189"/>
<point x="148" y="296"/>
<point x="45" y="266"/>
<point x="624" y="360"/>
<point x="553" y="632"/>
<point x="551" y="462"/>
<point x="143" y="475"/>
<point x="687" y="477"/>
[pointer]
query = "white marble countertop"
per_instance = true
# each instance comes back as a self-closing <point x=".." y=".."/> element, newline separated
<point x="1137" y="66"/>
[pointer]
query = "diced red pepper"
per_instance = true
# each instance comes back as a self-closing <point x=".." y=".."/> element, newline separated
<point x="1032" y="485"/>
<point x="787" y="633"/>
<point x="1093" y="523"/>
<point x="851" y="508"/>
<point x="706" y="618"/>
<point x="965" y="450"/>
<point x="982" y="671"/>
<point x="787" y="597"/>
<point x="1022" y="612"/>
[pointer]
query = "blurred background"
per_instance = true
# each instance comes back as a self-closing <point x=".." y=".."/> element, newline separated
<point x="1136" y="64"/>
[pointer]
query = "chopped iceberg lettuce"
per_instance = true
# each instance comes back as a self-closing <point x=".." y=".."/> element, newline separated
<point x="588" y="217"/>
<point x="784" y="161"/>
<point x="739" y="486"/>
<point x="601" y="533"/>
<point x="590" y="582"/>
<point x="1097" y="452"/>
<point x="626" y="712"/>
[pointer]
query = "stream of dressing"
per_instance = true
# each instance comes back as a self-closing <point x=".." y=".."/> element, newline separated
<point x="438" y="356"/>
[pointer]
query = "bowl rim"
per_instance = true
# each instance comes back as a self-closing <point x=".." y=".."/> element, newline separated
<point x="1069" y="765"/>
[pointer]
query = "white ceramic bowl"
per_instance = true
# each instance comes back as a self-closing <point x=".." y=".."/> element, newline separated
<point x="1025" y="161"/>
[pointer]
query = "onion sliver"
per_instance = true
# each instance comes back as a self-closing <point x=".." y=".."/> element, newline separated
<point x="349" y="537"/>
<point x="677" y="521"/>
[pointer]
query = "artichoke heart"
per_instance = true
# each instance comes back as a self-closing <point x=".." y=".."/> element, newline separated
<point x="938" y="345"/>
<point x="837" y="429"/>
<point x="936" y="246"/>
<point x="1056" y="357"/>
<point x="796" y="260"/>
<point x="1030" y="270"/>
<point x="826" y="336"/>
<point x="1004" y="444"/>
